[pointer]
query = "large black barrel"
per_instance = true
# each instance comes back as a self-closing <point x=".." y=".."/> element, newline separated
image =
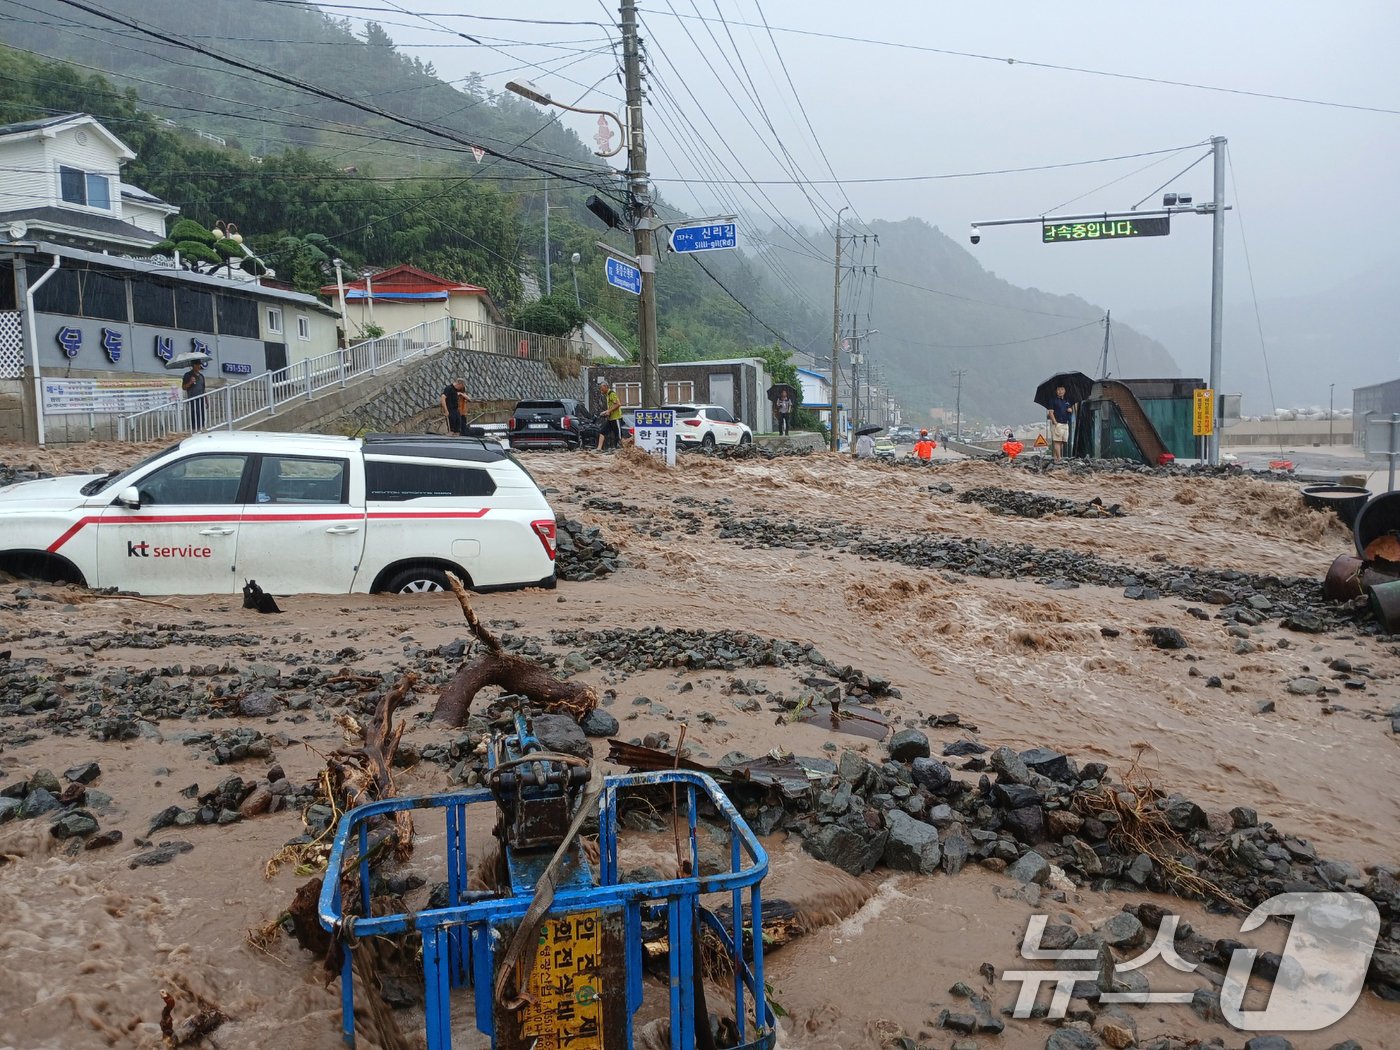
<point x="1345" y="500"/>
<point x="1378" y="518"/>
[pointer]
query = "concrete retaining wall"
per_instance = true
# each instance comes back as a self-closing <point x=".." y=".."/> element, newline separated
<point x="406" y="400"/>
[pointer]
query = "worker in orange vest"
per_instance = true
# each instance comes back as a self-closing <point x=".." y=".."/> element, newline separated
<point x="923" y="448"/>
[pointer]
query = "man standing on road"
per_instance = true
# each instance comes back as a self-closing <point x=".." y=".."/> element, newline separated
<point x="784" y="413"/>
<point x="923" y="448"/>
<point x="453" y="401"/>
<point x="193" y="385"/>
<point x="1059" y="415"/>
<point x="610" y="437"/>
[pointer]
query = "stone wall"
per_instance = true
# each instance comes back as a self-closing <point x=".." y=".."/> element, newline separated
<point x="408" y="401"/>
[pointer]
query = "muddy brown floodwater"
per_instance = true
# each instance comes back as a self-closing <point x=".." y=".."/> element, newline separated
<point x="88" y="942"/>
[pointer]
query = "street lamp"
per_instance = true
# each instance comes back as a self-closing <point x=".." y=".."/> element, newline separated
<point x="340" y="286"/>
<point x="574" y="261"/>
<point x="1330" y="387"/>
<point x="525" y="89"/>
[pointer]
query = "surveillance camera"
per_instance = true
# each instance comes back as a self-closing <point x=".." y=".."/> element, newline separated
<point x="976" y="236"/>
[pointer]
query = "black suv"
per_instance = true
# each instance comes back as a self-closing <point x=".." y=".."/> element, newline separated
<point x="561" y="423"/>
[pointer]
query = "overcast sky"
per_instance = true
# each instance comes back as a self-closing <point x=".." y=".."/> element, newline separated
<point x="1314" y="185"/>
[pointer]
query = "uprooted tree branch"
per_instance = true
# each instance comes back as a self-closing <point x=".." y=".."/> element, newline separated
<point x="514" y="674"/>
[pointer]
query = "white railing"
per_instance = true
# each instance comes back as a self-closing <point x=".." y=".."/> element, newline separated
<point x="262" y="396"/>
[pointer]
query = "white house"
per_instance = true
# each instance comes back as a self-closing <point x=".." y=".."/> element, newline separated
<point x="403" y="296"/>
<point x="62" y="184"/>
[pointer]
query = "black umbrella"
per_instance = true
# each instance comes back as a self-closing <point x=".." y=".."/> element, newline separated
<point x="869" y="428"/>
<point x="1077" y="386"/>
<point x="777" y="390"/>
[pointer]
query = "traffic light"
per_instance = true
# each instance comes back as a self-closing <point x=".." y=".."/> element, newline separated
<point x="606" y="212"/>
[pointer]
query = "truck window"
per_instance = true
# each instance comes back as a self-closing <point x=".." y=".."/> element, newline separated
<point x="394" y="480"/>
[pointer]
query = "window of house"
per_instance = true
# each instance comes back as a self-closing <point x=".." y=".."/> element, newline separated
<point x="678" y="392"/>
<point x="303" y="326"/>
<point x="238" y="316"/>
<point x="194" y="310"/>
<point x="103" y="296"/>
<point x="59" y="292"/>
<point x="8" y="297"/>
<point x="274" y="320"/>
<point x="152" y="304"/>
<point x="85" y="188"/>
<point x="630" y="394"/>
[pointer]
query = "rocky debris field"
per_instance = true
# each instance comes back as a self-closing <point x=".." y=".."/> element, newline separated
<point x="1220" y="742"/>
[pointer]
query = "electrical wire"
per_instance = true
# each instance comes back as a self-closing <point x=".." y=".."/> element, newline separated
<point x="1254" y="295"/>
<point x="1004" y="60"/>
<point x="315" y="90"/>
<point x="1178" y="175"/>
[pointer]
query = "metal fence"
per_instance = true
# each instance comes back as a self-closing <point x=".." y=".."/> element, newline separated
<point x="263" y="396"/>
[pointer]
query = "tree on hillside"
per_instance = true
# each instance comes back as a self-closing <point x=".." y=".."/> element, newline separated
<point x="550" y="315"/>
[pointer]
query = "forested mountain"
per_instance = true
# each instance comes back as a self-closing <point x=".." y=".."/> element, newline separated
<point x="938" y="310"/>
<point x="305" y="177"/>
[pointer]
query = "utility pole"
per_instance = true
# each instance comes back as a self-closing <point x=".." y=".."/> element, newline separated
<point x="958" y="375"/>
<point x="548" y="281"/>
<point x="836" y="340"/>
<point x="1217" y="296"/>
<point x="1103" y="365"/>
<point x="639" y="194"/>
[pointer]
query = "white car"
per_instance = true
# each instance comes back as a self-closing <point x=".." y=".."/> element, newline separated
<point x="298" y="513"/>
<point x="705" y="426"/>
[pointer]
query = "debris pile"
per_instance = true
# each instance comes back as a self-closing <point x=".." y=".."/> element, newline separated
<point x="1040" y="817"/>
<point x="581" y="552"/>
<point x="756" y="451"/>
<point x="1034" y="505"/>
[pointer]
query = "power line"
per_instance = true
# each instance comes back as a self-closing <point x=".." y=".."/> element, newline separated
<point x="946" y="175"/>
<point x="1004" y="60"/>
<point x="313" y="89"/>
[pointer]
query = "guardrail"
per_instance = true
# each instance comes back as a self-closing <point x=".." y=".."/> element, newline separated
<point x="262" y="396"/>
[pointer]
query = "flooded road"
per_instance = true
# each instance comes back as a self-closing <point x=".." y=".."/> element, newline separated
<point x="88" y="942"/>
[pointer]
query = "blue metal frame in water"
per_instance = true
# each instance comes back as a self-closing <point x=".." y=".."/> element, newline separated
<point x="460" y="941"/>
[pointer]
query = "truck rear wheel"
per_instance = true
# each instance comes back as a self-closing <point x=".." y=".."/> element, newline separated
<point x="418" y="580"/>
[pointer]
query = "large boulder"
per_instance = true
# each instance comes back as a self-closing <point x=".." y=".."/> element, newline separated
<point x="849" y="850"/>
<point x="912" y="845"/>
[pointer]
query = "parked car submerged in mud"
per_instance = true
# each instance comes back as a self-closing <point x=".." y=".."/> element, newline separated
<point x="298" y="513"/>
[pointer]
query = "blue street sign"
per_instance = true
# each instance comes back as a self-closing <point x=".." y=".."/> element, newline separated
<point x="625" y="276"/>
<point x="704" y="238"/>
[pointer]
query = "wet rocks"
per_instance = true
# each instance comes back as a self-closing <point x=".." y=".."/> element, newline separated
<point x="259" y="704"/>
<point x="908" y="744"/>
<point x="912" y="845"/>
<point x="1033" y="505"/>
<point x="561" y="734"/>
<point x="1166" y="638"/>
<point x="851" y="851"/>
<point x="1032" y="867"/>
<point x="1123" y="930"/>
<point x="931" y="774"/>
<point x="161" y="854"/>
<point x="78" y="824"/>
<point x="582" y="552"/>
<point x="599" y="723"/>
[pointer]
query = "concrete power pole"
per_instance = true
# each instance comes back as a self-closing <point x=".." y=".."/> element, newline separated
<point x="836" y="340"/>
<point x="639" y="195"/>
<point x="1217" y="296"/>
<point x="958" y="375"/>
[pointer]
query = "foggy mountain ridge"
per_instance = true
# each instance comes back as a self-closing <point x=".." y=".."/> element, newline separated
<point x="1346" y="335"/>
<point x="1008" y="338"/>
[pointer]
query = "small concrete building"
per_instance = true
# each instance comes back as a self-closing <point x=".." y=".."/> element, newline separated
<point x="738" y="384"/>
<point x="1379" y="399"/>
<point x="89" y="334"/>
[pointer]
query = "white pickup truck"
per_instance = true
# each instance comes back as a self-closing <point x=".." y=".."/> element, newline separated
<point x="298" y="513"/>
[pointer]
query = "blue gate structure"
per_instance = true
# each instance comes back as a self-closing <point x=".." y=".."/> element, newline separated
<point x="584" y="985"/>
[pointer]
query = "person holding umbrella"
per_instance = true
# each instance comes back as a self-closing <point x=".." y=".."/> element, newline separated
<point x="192" y="383"/>
<point x="784" y="406"/>
<point x="1059" y="414"/>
